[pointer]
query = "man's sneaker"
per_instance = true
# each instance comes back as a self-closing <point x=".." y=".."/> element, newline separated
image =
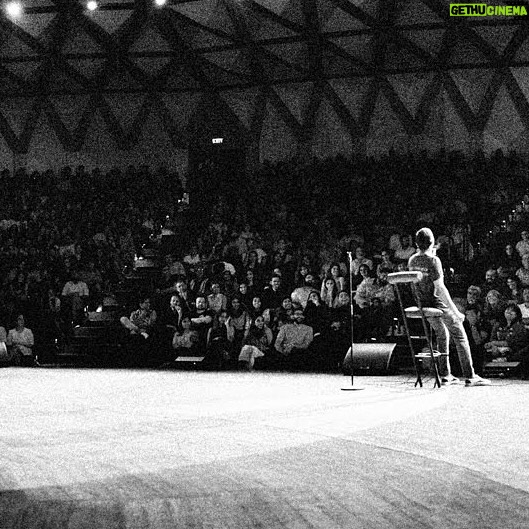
<point x="477" y="381"/>
<point x="449" y="380"/>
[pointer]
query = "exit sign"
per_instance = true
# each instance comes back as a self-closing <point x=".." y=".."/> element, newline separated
<point x="217" y="140"/>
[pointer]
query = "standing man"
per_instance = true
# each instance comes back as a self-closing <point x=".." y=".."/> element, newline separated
<point x="432" y="292"/>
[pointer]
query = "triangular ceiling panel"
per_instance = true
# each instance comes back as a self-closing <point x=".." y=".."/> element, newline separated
<point x="16" y="111"/>
<point x="331" y="137"/>
<point x="242" y="104"/>
<point x="181" y="107"/>
<point x="415" y="13"/>
<point x="42" y="150"/>
<point x="8" y="84"/>
<point x="289" y="9"/>
<point x="334" y="19"/>
<point x="497" y="37"/>
<point x="473" y="84"/>
<point x="125" y="109"/>
<point x="523" y="52"/>
<point x="123" y="80"/>
<point x="410" y="88"/>
<point x="296" y="97"/>
<point x="60" y="81"/>
<point x="205" y="39"/>
<point x="352" y="92"/>
<point x="337" y="66"/>
<point x="12" y="47"/>
<point x="35" y="24"/>
<point x="226" y="59"/>
<point x="370" y="7"/>
<point x="465" y="52"/>
<point x="99" y="139"/>
<point x="400" y="58"/>
<point x="152" y="65"/>
<point x="80" y="42"/>
<point x="429" y="40"/>
<point x="296" y="53"/>
<point x="70" y="108"/>
<point x="384" y="122"/>
<point x="504" y="127"/>
<point x="150" y="40"/>
<point x="520" y="74"/>
<point x="359" y="46"/>
<point x="110" y="20"/>
<point x="88" y="67"/>
<point x="210" y="13"/>
<point x="262" y="28"/>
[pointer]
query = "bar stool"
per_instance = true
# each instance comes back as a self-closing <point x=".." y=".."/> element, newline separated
<point x="422" y="313"/>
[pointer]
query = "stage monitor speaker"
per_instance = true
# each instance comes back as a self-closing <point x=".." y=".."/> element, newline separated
<point x="369" y="358"/>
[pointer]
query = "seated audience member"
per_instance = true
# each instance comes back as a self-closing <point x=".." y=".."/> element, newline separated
<point x="201" y="321"/>
<point x="228" y="284"/>
<point x="522" y="246"/>
<point x="316" y="314"/>
<point x="4" y="356"/>
<point x="509" y="337"/>
<point x="245" y="295"/>
<point x="286" y="308"/>
<point x="300" y="274"/>
<point x="492" y="282"/>
<point x="329" y="292"/>
<point x="406" y="249"/>
<point x="514" y="292"/>
<point x="474" y="297"/>
<point x="273" y="294"/>
<point x="193" y="257"/>
<point x="20" y="342"/>
<point x="494" y="307"/>
<point x="339" y="336"/>
<point x="524" y="307"/>
<point x="508" y="262"/>
<point x="366" y="288"/>
<point x="256" y="308"/>
<point x="478" y="332"/>
<point x="185" y="340"/>
<point x="256" y="345"/>
<point x="523" y="272"/>
<point x="359" y="260"/>
<point x="386" y="261"/>
<point x="293" y="341"/>
<point x="335" y="273"/>
<point x="217" y="301"/>
<point x="220" y="338"/>
<point x="199" y="282"/>
<point x="75" y="295"/>
<point x="171" y="318"/>
<point x="240" y="320"/>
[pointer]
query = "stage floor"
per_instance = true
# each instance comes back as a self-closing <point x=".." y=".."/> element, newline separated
<point x="101" y="448"/>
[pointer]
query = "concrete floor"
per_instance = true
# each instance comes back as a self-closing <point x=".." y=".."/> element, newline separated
<point x="85" y="448"/>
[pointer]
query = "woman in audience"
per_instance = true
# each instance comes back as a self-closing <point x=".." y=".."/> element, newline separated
<point x="509" y="337"/>
<point x="366" y="288"/>
<point x="185" y="340"/>
<point x="329" y="292"/>
<point x="256" y="345"/>
<point x="220" y="341"/>
<point x="515" y="291"/>
<point x="316" y="314"/>
<point x="494" y="307"/>
<point x="20" y="342"/>
<point x="240" y="321"/>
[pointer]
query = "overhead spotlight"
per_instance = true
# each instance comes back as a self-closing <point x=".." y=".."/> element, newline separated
<point x="160" y="3"/>
<point x="91" y="5"/>
<point x="14" y="9"/>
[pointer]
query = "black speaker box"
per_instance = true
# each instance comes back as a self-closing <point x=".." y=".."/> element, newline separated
<point x="370" y="359"/>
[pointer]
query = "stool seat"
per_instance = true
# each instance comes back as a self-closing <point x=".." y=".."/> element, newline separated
<point x="427" y="354"/>
<point x="429" y="312"/>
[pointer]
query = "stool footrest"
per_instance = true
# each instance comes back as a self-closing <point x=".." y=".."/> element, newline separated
<point x="436" y="354"/>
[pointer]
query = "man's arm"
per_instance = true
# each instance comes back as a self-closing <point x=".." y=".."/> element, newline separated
<point x="446" y="298"/>
<point x="279" y="341"/>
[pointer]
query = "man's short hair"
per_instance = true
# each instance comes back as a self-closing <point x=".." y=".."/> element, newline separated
<point x="424" y="239"/>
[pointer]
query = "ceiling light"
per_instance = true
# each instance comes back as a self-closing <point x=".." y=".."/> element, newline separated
<point x="14" y="9"/>
<point x="92" y="5"/>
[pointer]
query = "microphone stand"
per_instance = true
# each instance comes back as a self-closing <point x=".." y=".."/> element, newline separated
<point x="352" y="387"/>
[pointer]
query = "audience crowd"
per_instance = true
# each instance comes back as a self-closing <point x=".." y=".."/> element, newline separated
<point x="257" y="272"/>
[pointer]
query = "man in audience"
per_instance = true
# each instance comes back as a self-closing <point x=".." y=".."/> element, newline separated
<point x="405" y="251"/>
<point x="273" y="294"/>
<point x="201" y="322"/>
<point x="492" y="282"/>
<point x="524" y="307"/>
<point x="294" y="339"/>
<point x="75" y="298"/>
